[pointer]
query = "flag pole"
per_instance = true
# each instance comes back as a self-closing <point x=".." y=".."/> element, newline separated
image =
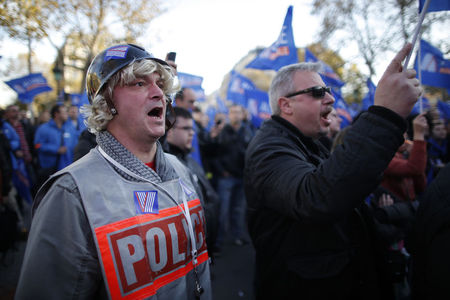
<point x="419" y="66"/>
<point x="416" y="32"/>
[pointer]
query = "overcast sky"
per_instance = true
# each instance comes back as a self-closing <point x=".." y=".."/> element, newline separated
<point x="210" y="36"/>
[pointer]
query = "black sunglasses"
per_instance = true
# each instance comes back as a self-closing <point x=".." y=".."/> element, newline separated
<point x="318" y="92"/>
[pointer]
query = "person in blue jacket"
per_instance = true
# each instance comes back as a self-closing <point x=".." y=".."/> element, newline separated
<point x="54" y="141"/>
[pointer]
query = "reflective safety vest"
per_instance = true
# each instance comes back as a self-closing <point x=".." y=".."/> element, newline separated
<point x="141" y="233"/>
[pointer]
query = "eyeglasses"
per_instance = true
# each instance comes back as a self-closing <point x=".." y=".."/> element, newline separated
<point x="187" y="128"/>
<point x="318" y="92"/>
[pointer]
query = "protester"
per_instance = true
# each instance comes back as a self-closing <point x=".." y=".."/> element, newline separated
<point x="405" y="174"/>
<point x="229" y="163"/>
<point x="438" y="149"/>
<point x="431" y="241"/>
<point x="185" y="98"/>
<point x="300" y="197"/>
<point x="26" y="136"/>
<point x="54" y="142"/>
<point x="86" y="142"/>
<point x="124" y="220"/>
<point x="75" y="120"/>
<point x="179" y="141"/>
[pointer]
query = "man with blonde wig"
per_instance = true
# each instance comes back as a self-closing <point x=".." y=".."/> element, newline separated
<point x="309" y="240"/>
<point x="124" y="221"/>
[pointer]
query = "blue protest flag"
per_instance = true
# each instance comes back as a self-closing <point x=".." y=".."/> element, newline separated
<point x="188" y="80"/>
<point x="79" y="99"/>
<point x="368" y="100"/>
<point x="29" y="86"/>
<point x="237" y="87"/>
<point x="258" y="106"/>
<point x="425" y="106"/>
<point x="329" y="77"/>
<point x="342" y="109"/>
<point x="221" y="107"/>
<point x="444" y="109"/>
<point x="193" y="82"/>
<point x="434" y="68"/>
<point x="211" y="113"/>
<point x="435" y="5"/>
<point x="282" y="52"/>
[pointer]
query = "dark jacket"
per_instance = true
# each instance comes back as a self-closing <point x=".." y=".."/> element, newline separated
<point x="231" y="152"/>
<point x="210" y="199"/>
<point x="431" y="241"/>
<point x="86" y="142"/>
<point x="309" y="240"/>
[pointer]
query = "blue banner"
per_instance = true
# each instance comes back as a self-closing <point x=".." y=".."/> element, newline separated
<point x="327" y="73"/>
<point x="435" y="70"/>
<point x="221" y="106"/>
<point x="282" y="52"/>
<point x="237" y="87"/>
<point x="211" y="113"/>
<point x="368" y="100"/>
<point x="258" y="106"/>
<point x="79" y="99"/>
<point x="444" y="109"/>
<point x="425" y="106"/>
<point x="193" y="82"/>
<point x="29" y="86"/>
<point x="435" y="5"/>
<point x="342" y="109"/>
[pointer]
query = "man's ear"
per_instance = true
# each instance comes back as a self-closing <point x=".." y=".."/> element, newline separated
<point x="285" y="105"/>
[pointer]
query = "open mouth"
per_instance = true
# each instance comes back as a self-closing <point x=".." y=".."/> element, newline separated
<point x="325" y="116"/>
<point x="156" y="112"/>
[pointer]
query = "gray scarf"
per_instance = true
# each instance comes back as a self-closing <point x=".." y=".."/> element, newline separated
<point x="119" y="153"/>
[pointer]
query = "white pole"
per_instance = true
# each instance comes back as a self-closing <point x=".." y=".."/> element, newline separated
<point x="416" y="33"/>
<point x="419" y="67"/>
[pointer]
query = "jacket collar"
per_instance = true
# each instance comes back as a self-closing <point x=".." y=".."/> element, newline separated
<point x="310" y="143"/>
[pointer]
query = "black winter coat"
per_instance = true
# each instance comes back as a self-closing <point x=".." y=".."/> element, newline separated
<point x="310" y="241"/>
<point x="431" y="241"/>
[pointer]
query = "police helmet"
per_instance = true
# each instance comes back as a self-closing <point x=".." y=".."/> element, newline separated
<point x="109" y="62"/>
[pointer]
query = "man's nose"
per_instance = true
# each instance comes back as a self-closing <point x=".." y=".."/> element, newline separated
<point x="328" y="99"/>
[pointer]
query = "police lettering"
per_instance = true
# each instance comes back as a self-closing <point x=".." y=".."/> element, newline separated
<point x="149" y="251"/>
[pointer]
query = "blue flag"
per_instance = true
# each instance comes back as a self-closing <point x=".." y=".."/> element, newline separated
<point x="29" y="86"/>
<point x="425" y="106"/>
<point x="435" y="5"/>
<point x="444" y="109"/>
<point x="327" y="73"/>
<point x="237" y="88"/>
<point x="79" y="99"/>
<point x="211" y="113"/>
<point x="281" y="53"/>
<point x="368" y="100"/>
<point x="221" y="107"/>
<point x="342" y="109"/>
<point x="258" y="106"/>
<point x="193" y="82"/>
<point x="435" y="70"/>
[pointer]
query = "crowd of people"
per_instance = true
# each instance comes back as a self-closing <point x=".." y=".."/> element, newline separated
<point x="142" y="196"/>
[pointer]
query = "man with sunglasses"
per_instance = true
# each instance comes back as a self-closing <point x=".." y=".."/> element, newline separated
<point x="310" y="243"/>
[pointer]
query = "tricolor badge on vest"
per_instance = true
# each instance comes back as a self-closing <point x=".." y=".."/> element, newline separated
<point x="146" y="202"/>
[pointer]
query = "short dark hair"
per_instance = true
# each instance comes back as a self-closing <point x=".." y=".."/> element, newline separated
<point x="54" y="110"/>
<point x="180" y="93"/>
<point x="182" y="112"/>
